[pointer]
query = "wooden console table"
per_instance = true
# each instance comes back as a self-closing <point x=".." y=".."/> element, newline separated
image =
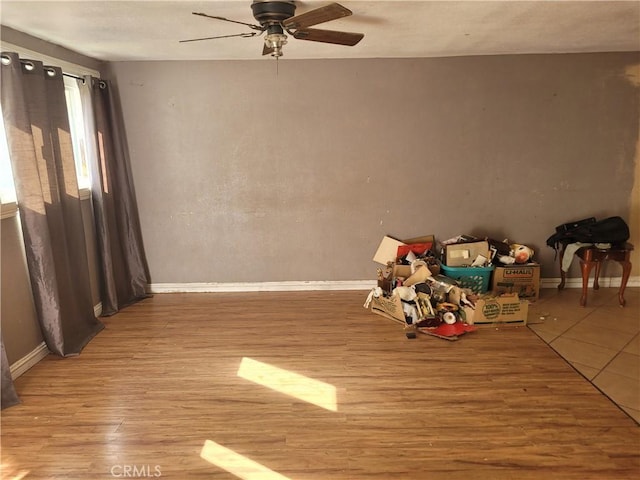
<point x="593" y="256"/>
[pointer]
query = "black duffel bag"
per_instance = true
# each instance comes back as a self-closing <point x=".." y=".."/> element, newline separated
<point x="613" y="230"/>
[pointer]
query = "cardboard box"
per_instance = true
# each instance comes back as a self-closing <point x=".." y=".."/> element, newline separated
<point x="424" y="239"/>
<point x="402" y="271"/>
<point x="389" y="274"/>
<point x="521" y="279"/>
<point x="388" y="249"/>
<point x="463" y="254"/>
<point x="389" y="307"/>
<point x="507" y="309"/>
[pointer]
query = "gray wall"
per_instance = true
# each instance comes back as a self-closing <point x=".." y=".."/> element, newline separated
<point x="246" y="174"/>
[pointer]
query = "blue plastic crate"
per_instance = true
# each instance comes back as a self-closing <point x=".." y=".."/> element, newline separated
<point x="477" y="279"/>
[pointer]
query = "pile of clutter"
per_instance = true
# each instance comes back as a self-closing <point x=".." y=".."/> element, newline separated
<point x="440" y="289"/>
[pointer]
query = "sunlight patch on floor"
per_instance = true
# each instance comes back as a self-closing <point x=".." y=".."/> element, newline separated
<point x="293" y="384"/>
<point x="237" y="464"/>
<point x="8" y="471"/>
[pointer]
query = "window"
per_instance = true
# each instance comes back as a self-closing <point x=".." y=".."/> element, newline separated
<point x="7" y="189"/>
<point x="76" y="125"/>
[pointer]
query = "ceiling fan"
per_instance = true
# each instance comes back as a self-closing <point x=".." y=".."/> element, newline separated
<point x="277" y="17"/>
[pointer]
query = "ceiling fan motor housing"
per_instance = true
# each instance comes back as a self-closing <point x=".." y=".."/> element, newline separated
<point x="269" y="12"/>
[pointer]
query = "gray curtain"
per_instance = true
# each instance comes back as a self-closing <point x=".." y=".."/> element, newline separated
<point x="38" y="135"/>
<point x="124" y="271"/>
<point x="9" y="396"/>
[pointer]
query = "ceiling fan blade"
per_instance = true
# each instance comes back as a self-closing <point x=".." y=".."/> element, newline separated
<point x="328" y="36"/>
<point x="250" y="25"/>
<point x="248" y="34"/>
<point x="329" y="12"/>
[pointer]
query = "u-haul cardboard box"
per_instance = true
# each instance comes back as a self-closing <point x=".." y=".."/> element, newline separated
<point x="502" y="309"/>
<point x="521" y="279"/>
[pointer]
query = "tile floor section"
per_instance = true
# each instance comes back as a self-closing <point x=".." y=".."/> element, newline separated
<point x="600" y="340"/>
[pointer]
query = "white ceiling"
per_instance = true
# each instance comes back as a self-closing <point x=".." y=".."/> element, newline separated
<point x="151" y="30"/>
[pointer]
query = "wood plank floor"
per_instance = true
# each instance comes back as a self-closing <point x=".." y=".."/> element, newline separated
<point x="157" y="393"/>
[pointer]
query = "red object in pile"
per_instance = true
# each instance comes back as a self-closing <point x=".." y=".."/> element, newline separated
<point x="450" y="332"/>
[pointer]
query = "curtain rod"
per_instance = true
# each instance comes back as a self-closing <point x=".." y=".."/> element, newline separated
<point x="101" y="83"/>
<point x="73" y="76"/>
<point x="47" y="67"/>
<point x="29" y="63"/>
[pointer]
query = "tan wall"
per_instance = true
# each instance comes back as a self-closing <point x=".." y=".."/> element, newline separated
<point x="23" y="40"/>
<point x="633" y="75"/>
<point x="245" y="174"/>
<point x="20" y="330"/>
<point x="634" y="224"/>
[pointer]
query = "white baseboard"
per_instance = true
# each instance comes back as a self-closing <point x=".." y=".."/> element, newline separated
<point x="293" y="286"/>
<point x="29" y="360"/>
<point x="38" y="353"/>
<point x="576" y="282"/>
<point x="289" y="286"/>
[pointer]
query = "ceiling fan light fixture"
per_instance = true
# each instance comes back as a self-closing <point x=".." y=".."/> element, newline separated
<point x="275" y="41"/>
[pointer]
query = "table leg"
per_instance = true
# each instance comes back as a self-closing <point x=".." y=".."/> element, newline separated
<point x="586" y="270"/>
<point x="563" y="275"/>
<point x="626" y="271"/>
<point x="596" y="285"/>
